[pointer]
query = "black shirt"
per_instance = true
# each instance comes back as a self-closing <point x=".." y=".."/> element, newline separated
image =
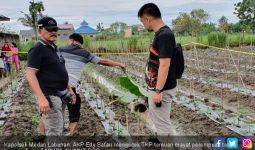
<point x="163" y="46"/>
<point x="52" y="74"/>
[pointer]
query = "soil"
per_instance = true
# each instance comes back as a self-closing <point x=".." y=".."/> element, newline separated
<point x="21" y="120"/>
<point x="189" y="120"/>
<point x="195" y="124"/>
<point x="24" y="116"/>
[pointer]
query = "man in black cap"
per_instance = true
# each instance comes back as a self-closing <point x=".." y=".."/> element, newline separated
<point x="76" y="57"/>
<point x="48" y="78"/>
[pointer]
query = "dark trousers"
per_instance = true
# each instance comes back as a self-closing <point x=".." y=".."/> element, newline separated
<point x="74" y="109"/>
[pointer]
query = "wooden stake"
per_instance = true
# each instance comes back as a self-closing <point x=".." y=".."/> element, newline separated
<point x="127" y="123"/>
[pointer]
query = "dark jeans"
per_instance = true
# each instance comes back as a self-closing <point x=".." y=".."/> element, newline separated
<point x="74" y="109"/>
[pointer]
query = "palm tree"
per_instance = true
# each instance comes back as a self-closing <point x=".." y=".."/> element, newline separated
<point x="35" y="13"/>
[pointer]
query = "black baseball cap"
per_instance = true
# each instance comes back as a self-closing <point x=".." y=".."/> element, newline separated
<point x="47" y="22"/>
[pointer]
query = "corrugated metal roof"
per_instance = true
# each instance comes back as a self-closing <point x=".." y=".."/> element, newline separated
<point x="65" y="26"/>
<point x="27" y="32"/>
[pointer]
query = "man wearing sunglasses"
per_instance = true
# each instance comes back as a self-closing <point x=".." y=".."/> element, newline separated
<point x="76" y="58"/>
<point x="47" y="75"/>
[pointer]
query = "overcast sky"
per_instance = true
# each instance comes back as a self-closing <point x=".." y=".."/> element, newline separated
<point x="109" y="11"/>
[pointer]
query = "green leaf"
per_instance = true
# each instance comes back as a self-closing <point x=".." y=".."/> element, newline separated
<point x="126" y="83"/>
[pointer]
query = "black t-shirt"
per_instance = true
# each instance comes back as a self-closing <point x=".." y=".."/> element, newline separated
<point x="52" y="74"/>
<point x="163" y="46"/>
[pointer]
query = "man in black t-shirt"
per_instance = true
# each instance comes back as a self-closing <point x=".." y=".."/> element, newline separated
<point x="160" y="68"/>
<point x="76" y="59"/>
<point x="47" y="76"/>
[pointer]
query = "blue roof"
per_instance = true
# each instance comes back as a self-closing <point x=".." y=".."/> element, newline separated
<point x="85" y="29"/>
<point x="84" y="23"/>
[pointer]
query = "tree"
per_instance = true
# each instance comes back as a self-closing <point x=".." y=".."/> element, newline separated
<point x="182" y="24"/>
<point x="245" y="11"/>
<point x="238" y="27"/>
<point x="208" y="28"/>
<point x="35" y="13"/>
<point x="190" y="23"/>
<point x="198" y="16"/>
<point x="100" y="27"/>
<point x="223" y="24"/>
<point x="118" y="27"/>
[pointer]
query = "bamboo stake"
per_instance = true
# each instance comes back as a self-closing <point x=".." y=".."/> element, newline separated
<point x="138" y="129"/>
<point x="198" y="66"/>
<point x="127" y="123"/>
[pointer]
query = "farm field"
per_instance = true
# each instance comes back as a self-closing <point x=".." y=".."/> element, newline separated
<point x="215" y="97"/>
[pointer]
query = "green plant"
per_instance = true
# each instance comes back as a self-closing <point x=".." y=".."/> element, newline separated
<point x="24" y="48"/>
<point x="132" y="43"/>
<point x="217" y="39"/>
<point x="127" y="84"/>
<point x="86" y="42"/>
<point x="35" y="119"/>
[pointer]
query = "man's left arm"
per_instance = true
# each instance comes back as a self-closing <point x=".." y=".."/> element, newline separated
<point x="162" y="77"/>
<point x="166" y="51"/>
<point x="163" y="72"/>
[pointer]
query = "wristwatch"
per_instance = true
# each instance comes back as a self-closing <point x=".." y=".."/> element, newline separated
<point x="157" y="90"/>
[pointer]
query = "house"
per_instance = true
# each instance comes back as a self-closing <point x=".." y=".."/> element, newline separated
<point x="64" y="31"/>
<point x="11" y="37"/>
<point x="7" y="36"/>
<point x="25" y="35"/>
<point x="133" y="30"/>
<point x="140" y="28"/>
<point x="128" y="31"/>
<point x="85" y="29"/>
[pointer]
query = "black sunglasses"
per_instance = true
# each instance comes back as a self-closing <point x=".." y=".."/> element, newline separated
<point x="51" y="29"/>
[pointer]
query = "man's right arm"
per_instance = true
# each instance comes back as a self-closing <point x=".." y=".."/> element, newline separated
<point x="97" y="60"/>
<point x="34" y="85"/>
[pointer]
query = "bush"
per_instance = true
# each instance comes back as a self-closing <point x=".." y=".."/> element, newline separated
<point x="86" y="42"/>
<point x="217" y="39"/>
<point x="24" y="48"/>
